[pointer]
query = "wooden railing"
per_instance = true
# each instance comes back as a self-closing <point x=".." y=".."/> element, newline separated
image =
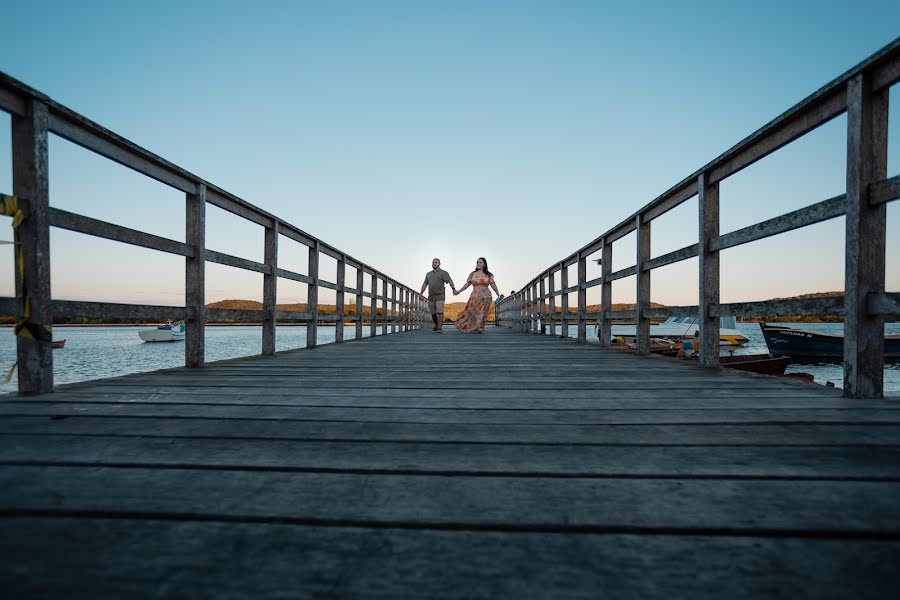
<point x="862" y="93"/>
<point x="34" y="116"/>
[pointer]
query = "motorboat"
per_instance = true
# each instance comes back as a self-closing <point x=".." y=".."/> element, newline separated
<point x="677" y="328"/>
<point x="798" y="343"/>
<point x="170" y="332"/>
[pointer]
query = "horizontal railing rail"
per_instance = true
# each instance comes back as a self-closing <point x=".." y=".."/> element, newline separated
<point x="34" y="116"/>
<point x="861" y="93"/>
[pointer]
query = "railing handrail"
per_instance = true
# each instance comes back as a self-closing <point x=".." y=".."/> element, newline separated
<point x="35" y="116"/>
<point x="862" y="93"/>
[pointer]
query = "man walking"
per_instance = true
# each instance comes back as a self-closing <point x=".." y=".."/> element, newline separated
<point x="435" y="281"/>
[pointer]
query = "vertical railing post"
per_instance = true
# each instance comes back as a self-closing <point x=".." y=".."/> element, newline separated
<point x="394" y="307"/>
<point x="564" y="301"/>
<point x="551" y="283"/>
<point x="339" y="300"/>
<point x="642" y="293"/>
<point x="529" y="310"/>
<point x="360" y="301"/>
<point x="373" y="314"/>
<point x="270" y="283"/>
<point x="384" y="305"/>
<point x="708" y="203"/>
<point x="864" y="270"/>
<point x="195" y="279"/>
<point x="582" y="298"/>
<point x="312" y="296"/>
<point x="30" y="173"/>
<point x="605" y="293"/>
<point x="543" y="305"/>
<point x="535" y="308"/>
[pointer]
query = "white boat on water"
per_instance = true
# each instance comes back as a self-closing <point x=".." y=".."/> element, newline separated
<point x="170" y="332"/>
<point x="682" y="327"/>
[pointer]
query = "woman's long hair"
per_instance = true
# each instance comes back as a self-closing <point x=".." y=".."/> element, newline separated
<point x="486" y="272"/>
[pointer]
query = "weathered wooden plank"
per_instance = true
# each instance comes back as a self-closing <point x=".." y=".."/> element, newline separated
<point x="838" y="436"/>
<point x="671" y="257"/>
<point x="81" y="224"/>
<point x="97" y="558"/>
<point x="235" y="261"/>
<point x="12" y="102"/>
<point x="234" y="314"/>
<point x="867" y="140"/>
<point x="238" y="207"/>
<point x="195" y="279"/>
<point x="96" y="310"/>
<point x="884" y="191"/>
<point x="708" y="294"/>
<point x="270" y="288"/>
<point x="801" y="306"/>
<point x="672" y="311"/>
<point x="312" y="296"/>
<point x="642" y="286"/>
<point x="884" y="303"/>
<point x="285" y="274"/>
<point x="809" y="215"/>
<point x="518" y="503"/>
<point x="31" y="182"/>
<point x="621" y="274"/>
<point x="870" y="463"/>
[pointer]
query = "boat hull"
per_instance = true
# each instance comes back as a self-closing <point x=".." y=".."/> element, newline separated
<point x="163" y="334"/>
<point x="57" y="344"/>
<point x="798" y="343"/>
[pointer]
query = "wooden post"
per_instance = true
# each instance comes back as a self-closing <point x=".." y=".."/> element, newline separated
<point x="582" y="298"/>
<point x="30" y="173"/>
<point x="551" y="283"/>
<point x="564" y="285"/>
<point x="270" y="283"/>
<point x="864" y="270"/>
<point x="708" y="203"/>
<point x="543" y="306"/>
<point x="384" y="306"/>
<point x="339" y="301"/>
<point x="642" y="295"/>
<point x="373" y="316"/>
<point x="605" y="293"/>
<point x="535" y="308"/>
<point x="360" y="301"/>
<point x="195" y="279"/>
<point x="394" y="307"/>
<point x="312" y="296"/>
<point x="529" y="306"/>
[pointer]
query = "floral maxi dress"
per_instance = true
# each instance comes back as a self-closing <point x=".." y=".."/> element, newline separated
<point x="472" y="318"/>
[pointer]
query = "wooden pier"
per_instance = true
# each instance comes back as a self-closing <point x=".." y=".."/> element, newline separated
<point x="470" y="466"/>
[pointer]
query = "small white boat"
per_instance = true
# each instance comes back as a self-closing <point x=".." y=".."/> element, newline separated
<point x="170" y="332"/>
<point x="675" y="328"/>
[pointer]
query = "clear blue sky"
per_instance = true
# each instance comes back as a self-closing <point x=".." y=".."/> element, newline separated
<point x="399" y="131"/>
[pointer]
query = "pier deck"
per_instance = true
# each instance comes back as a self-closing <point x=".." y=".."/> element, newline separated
<point x="425" y="465"/>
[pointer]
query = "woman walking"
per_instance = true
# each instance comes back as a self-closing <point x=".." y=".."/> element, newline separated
<point x="471" y="320"/>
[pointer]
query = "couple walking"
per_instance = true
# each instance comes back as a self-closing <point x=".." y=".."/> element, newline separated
<point x="472" y="319"/>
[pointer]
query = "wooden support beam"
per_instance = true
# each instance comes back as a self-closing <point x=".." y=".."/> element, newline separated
<point x="642" y="291"/>
<point x="195" y="279"/>
<point x="708" y="209"/>
<point x="384" y="306"/>
<point x="582" y="297"/>
<point x="360" y="301"/>
<point x="551" y="289"/>
<point x="373" y="316"/>
<point x="270" y="284"/>
<point x="564" y="301"/>
<point x="312" y="297"/>
<point x="606" y="293"/>
<point x="867" y="114"/>
<point x="30" y="174"/>
<point x="339" y="300"/>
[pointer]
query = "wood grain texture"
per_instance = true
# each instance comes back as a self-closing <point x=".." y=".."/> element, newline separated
<point x="529" y="456"/>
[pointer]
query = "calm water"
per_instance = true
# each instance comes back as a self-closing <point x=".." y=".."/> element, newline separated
<point x="99" y="352"/>
<point x="823" y="372"/>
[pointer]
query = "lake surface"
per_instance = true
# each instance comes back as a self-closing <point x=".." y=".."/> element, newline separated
<point x="822" y="371"/>
<point x="100" y="352"/>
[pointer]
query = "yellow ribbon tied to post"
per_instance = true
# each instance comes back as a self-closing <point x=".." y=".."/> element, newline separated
<point x="24" y="327"/>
